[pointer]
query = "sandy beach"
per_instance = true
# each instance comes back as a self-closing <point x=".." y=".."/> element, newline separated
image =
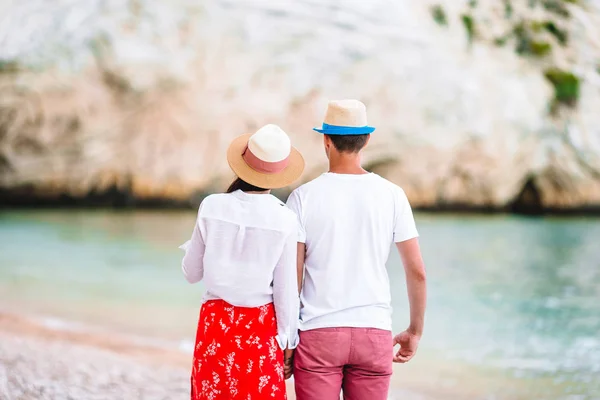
<point x="38" y="362"/>
<point x="41" y="363"/>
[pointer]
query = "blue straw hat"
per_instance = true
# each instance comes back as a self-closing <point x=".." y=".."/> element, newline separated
<point x="345" y="117"/>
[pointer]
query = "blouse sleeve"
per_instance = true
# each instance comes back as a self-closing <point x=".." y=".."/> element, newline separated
<point x="285" y="294"/>
<point x="193" y="260"/>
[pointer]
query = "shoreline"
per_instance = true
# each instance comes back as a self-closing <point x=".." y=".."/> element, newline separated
<point x="42" y="362"/>
<point x="39" y="361"/>
<point x="126" y="345"/>
<point x="119" y="199"/>
<point x="174" y="206"/>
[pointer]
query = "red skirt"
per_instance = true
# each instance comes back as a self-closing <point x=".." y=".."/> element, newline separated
<point x="236" y="354"/>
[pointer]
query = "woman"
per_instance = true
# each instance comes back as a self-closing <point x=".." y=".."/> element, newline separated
<point x="244" y="248"/>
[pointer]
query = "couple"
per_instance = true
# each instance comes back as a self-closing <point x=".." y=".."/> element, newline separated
<point x="330" y="244"/>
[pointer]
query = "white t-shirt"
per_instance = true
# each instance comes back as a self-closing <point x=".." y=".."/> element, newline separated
<point x="244" y="248"/>
<point x="348" y="223"/>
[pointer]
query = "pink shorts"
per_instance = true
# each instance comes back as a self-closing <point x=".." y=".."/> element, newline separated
<point x="357" y="361"/>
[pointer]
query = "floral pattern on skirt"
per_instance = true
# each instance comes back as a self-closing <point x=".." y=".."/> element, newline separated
<point x="236" y="354"/>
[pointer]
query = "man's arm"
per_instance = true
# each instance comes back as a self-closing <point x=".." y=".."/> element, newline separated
<point x="300" y="265"/>
<point x="294" y="203"/>
<point x="416" y="282"/>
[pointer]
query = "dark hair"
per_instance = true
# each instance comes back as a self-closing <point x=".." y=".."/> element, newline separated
<point x="349" y="143"/>
<point x="240" y="184"/>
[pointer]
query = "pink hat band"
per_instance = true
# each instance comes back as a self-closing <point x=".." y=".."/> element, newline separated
<point x="264" y="166"/>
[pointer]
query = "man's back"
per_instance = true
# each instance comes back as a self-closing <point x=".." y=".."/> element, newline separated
<point x="348" y="225"/>
<point x="349" y="219"/>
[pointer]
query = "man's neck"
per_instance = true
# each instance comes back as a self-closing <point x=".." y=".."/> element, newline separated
<point x="346" y="163"/>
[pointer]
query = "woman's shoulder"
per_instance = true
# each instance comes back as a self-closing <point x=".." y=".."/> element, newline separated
<point x="282" y="214"/>
<point x="280" y="207"/>
<point x="214" y="198"/>
<point x="211" y="201"/>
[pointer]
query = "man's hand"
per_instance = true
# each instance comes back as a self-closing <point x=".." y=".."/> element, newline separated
<point x="288" y="363"/>
<point x="416" y="282"/>
<point x="408" y="346"/>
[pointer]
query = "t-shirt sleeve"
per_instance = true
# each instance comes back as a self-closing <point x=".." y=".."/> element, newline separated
<point x="404" y="225"/>
<point x="295" y="204"/>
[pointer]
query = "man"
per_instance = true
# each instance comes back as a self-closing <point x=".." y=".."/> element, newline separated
<point x="348" y="221"/>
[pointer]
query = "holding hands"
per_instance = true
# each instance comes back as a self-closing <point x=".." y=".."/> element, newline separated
<point x="288" y="363"/>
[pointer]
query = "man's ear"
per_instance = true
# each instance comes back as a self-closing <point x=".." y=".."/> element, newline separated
<point x="327" y="142"/>
<point x="327" y="145"/>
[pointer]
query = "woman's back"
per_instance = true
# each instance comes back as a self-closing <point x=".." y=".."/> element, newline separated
<point x="244" y="246"/>
<point x="243" y="237"/>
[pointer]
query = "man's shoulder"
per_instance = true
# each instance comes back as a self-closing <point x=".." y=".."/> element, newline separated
<point x="373" y="182"/>
<point x="310" y="185"/>
<point x="387" y="184"/>
<point x="306" y="191"/>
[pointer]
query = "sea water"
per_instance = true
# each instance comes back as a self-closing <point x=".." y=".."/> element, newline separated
<point x="513" y="312"/>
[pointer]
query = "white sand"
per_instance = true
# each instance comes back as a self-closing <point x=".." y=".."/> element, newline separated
<point x="38" y="362"/>
<point x="31" y="368"/>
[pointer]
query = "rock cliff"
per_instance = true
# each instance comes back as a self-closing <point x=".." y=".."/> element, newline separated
<point x="478" y="104"/>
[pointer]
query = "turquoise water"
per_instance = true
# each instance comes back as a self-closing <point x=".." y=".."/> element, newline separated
<point x="510" y="297"/>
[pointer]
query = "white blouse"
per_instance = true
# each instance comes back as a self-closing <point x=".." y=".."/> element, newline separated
<point x="244" y="248"/>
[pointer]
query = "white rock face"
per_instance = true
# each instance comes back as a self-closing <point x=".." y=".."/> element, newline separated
<point x="146" y="96"/>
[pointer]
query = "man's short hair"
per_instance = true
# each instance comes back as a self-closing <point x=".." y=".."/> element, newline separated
<point x="349" y="143"/>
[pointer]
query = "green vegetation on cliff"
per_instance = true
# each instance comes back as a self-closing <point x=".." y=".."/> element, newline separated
<point x="566" y="87"/>
<point x="508" y="9"/>
<point x="501" y="41"/>
<point x="559" y="34"/>
<point x="557" y="7"/>
<point x="527" y="44"/>
<point x="439" y="15"/>
<point x="469" y="24"/>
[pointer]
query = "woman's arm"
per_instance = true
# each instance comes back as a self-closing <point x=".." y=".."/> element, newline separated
<point x="285" y="294"/>
<point x="193" y="260"/>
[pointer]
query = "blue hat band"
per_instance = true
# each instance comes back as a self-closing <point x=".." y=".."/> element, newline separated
<point x="344" y="130"/>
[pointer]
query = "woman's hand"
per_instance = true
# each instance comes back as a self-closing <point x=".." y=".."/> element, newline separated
<point x="288" y="363"/>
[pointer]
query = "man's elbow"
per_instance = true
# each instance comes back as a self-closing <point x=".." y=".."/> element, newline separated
<point x="421" y="276"/>
<point x="418" y="274"/>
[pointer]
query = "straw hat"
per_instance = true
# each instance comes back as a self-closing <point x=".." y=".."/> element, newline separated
<point x="345" y="117"/>
<point x="266" y="158"/>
